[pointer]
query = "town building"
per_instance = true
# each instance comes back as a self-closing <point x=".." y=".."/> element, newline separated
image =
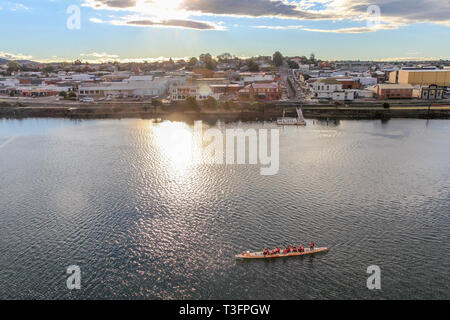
<point x="431" y="92"/>
<point x="394" y="91"/>
<point x="331" y="89"/>
<point x="260" y="92"/>
<point x="135" y="86"/>
<point x="421" y="77"/>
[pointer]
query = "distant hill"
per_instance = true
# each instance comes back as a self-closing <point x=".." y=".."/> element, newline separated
<point x="5" y="61"/>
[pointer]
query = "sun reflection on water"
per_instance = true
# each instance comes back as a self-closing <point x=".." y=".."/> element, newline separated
<point x="176" y="143"/>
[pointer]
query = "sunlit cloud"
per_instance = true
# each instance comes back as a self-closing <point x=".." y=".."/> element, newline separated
<point x="394" y="13"/>
<point x="12" y="56"/>
<point x="352" y="30"/>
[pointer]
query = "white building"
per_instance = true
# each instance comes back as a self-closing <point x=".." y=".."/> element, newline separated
<point x="76" y="76"/>
<point x="141" y="86"/>
<point x="367" y="81"/>
<point x="180" y="92"/>
<point x="257" y="77"/>
<point x="331" y="89"/>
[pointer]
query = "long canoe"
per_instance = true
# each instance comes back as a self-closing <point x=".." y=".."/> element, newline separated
<point x="260" y="255"/>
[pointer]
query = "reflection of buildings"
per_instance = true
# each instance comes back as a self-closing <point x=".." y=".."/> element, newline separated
<point x="328" y="122"/>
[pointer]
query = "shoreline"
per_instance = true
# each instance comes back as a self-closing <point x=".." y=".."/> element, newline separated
<point x="368" y="111"/>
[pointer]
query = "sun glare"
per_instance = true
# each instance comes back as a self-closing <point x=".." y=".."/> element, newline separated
<point x="163" y="9"/>
<point x="175" y="140"/>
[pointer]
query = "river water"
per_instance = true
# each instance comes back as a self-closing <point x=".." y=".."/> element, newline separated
<point x="122" y="200"/>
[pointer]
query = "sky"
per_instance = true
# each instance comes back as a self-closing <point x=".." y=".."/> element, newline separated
<point x="146" y="30"/>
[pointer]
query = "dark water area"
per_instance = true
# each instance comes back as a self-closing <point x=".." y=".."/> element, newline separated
<point x="123" y="200"/>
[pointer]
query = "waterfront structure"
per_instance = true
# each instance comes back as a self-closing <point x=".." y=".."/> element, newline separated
<point x="394" y="91"/>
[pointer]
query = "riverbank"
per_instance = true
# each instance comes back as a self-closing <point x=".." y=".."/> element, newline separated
<point x="264" y="112"/>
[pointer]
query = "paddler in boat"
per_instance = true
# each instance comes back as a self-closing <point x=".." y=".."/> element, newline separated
<point x="311" y="245"/>
<point x="266" y="252"/>
<point x="295" y="249"/>
<point x="301" y="249"/>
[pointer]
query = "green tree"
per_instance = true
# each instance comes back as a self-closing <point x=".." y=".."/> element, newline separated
<point x="211" y="103"/>
<point x="156" y="103"/>
<point x="225" y="57"/>
<point x="191" y="104"/>
<point x="253" y="66"/>
<point x="293" y="65"/>
<point x="277" y="59"/>
<point x="63" y="94"/>
<point x="72" y="95"/>
<point x="13" y="66"/>
<point x="192" y="62"/>
<point x="208" y="60"/>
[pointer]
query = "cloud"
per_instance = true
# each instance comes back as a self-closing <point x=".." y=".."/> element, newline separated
<point x="393" y="12"/>
<point x="189" y="24"/>
<point x="353" y="30"/>
<point x="99" y="55"/>
<point x="11" y="56"/>
<point x="252" y="8"/>
<point x="96" y="20"/>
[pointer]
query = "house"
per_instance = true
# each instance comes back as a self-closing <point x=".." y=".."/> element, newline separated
<point x="394" y="91"/>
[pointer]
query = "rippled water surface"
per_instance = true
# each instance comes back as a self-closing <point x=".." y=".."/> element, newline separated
<point x="123" y="200"/>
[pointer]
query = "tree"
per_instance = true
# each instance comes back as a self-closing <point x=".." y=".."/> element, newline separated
<point x="192" y="62"/>
<point x="72" y="95"/>
<point x="63" y="94"/>
<point x="225" y="57"/>
<point x="49" y="69"/>
<point x="253" y="66"/>
<point x="191" y="104"/>
<point x="156" y="103"/>
<point x="293" y="65"/>
<point x="211" y="103"/>
<point x="312" y="58"/>
<point x="277" y="59"/>
<point x="13" y="66"/>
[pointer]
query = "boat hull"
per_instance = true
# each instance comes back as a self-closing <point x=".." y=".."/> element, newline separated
<point x="260" y="255"/>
